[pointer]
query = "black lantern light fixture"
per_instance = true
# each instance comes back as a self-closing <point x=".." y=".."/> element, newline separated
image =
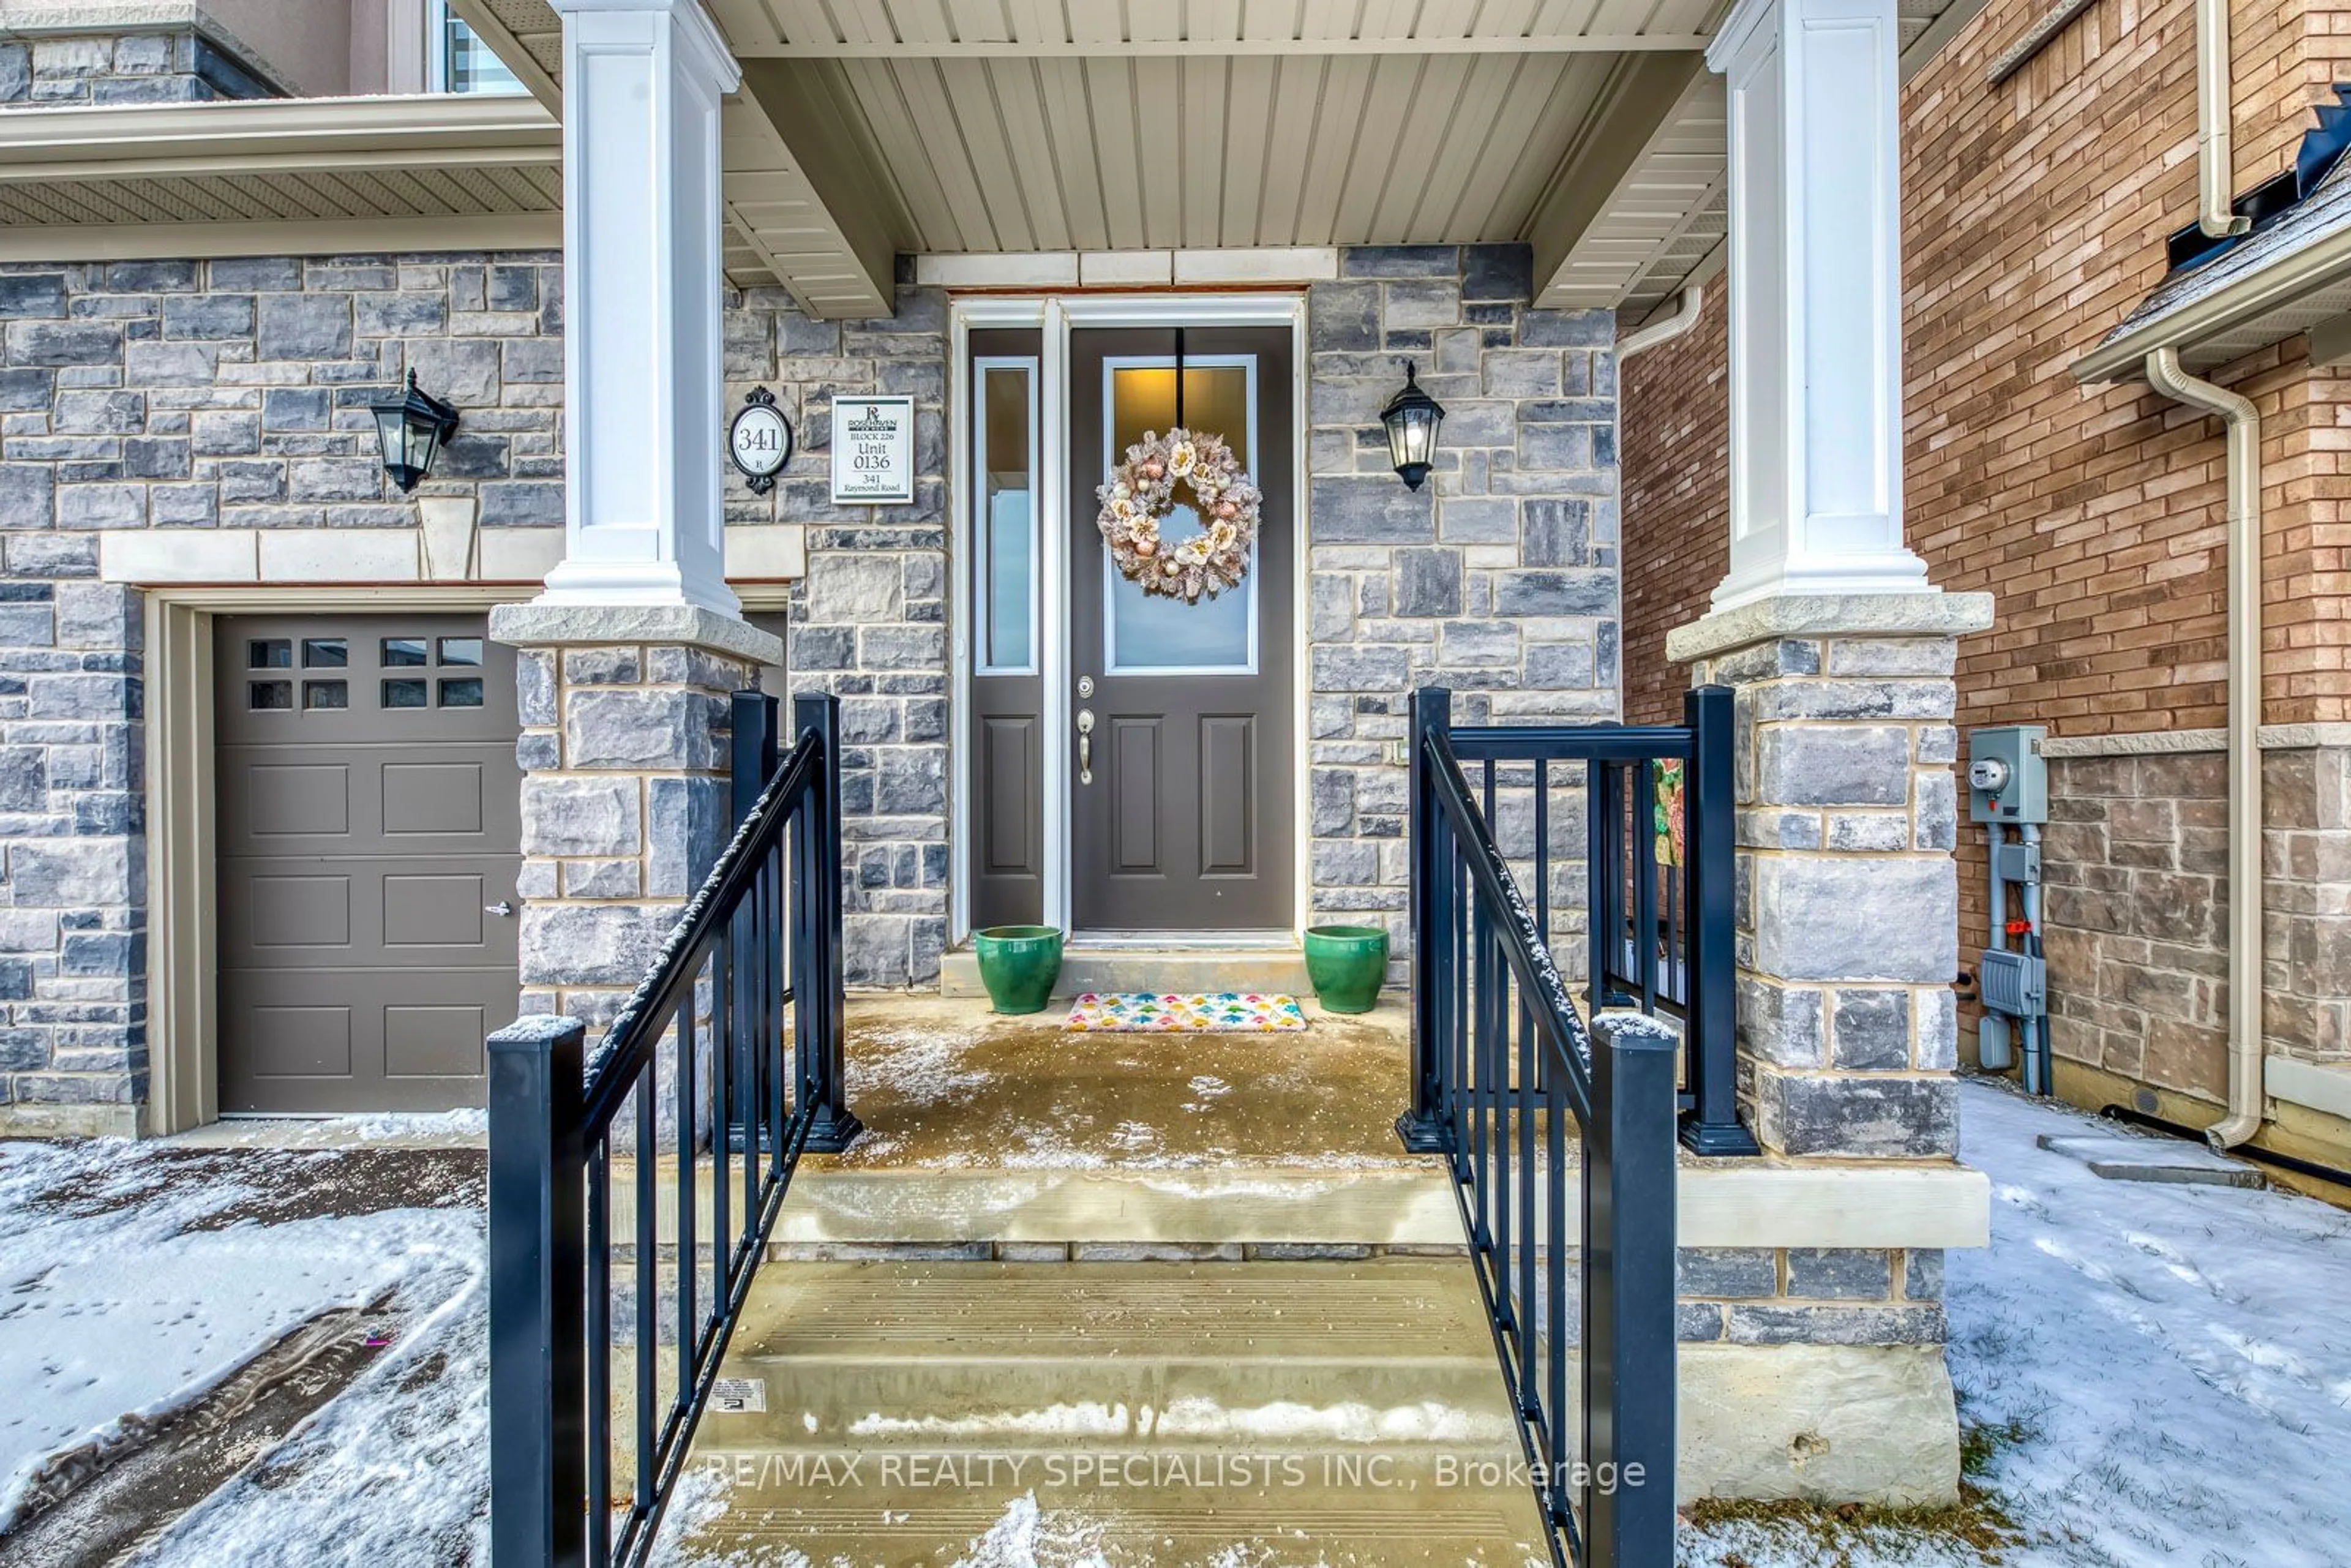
<point x="1411" y="417"/>
<point x="410" y="429"/>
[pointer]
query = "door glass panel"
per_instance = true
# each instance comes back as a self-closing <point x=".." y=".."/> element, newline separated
<point x="1007" y="559"/>
<point x="1145" y="633"/>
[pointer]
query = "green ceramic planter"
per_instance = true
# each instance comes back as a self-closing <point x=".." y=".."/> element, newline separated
<point x="1348" y="963"/>
<point x="1018" y="965"/>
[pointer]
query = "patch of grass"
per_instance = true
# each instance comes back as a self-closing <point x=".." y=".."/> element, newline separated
<point x="1845" y="1536"/>
<point x="1981" y="1442"/>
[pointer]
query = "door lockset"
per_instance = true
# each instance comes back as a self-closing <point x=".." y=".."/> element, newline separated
<point x="1085" y="746"/>
<point x="1085" y="686"/>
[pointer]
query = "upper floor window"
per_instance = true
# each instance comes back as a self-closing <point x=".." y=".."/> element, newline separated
<point x="457" y="59"/>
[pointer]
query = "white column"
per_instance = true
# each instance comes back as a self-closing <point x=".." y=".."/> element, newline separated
<point x="1815" y="301"/>
<point x="641" y="217"/>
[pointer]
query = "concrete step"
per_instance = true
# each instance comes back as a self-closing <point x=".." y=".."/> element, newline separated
<point x="1407" y="1206"/>
<point x="1268" y="1413"/>
<point x="1279" y="968"/>
<point x="2126" y="1156"/>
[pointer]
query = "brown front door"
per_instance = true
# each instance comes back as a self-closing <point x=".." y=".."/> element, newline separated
<point x="367" y="811"/>
<point x="1183" y="820"/>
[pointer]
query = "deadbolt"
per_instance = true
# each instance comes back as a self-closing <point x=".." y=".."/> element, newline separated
<point x="1085" y="686"/>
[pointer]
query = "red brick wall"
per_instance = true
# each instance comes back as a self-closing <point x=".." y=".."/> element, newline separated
<point x="1675" y="446"/>
<point x="2034" y="220"/>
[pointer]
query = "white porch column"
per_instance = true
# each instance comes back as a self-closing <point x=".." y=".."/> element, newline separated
<point x="643" y="522"/>
<point x="1815" y="301"/>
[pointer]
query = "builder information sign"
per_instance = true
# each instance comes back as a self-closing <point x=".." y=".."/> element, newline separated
<point x="873" y="451"/>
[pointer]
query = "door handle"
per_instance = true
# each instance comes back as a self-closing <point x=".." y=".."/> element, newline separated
<point x="1085" y="746"/>
<point x="503" y="906"/>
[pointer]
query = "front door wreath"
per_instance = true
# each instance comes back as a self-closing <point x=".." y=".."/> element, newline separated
<point x="1142" y="491"/>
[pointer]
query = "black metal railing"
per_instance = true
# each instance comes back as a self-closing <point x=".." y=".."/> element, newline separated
<point x="697" y="1088"/>
<point x="1652" y="887"/>
<point x="1506" y="1073"/>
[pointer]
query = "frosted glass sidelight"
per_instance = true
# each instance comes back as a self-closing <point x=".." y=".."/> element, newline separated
<point x="1145" y="633"/>
<point x="1006" y="557"/>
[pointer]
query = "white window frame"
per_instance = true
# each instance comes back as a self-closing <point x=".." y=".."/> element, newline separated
<point x="437" y="53"/>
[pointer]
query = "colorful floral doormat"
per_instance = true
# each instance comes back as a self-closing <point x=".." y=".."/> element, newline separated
<point x="1222" y="1012"/>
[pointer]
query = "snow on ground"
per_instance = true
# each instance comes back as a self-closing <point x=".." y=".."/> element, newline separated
<point x="2174" y="1364"/>
<point x="2171" y="1367"/>
<point x="395" y="1470"/>
<point x="123" y="1296"/>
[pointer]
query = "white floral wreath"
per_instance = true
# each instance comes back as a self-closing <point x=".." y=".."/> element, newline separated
<point x="1142" y="491"/>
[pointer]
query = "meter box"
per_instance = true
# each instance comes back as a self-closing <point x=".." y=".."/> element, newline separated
<point x="2013" y="983"/>
<point x="2007" y="779"/>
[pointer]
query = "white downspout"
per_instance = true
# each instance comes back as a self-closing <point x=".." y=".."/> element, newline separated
<point x="2244" y="486"/>
<point x="1684" y="318"/>
<point x="2215" y="157"/>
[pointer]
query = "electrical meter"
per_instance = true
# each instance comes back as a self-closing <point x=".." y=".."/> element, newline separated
<point x="2007" y="779"/>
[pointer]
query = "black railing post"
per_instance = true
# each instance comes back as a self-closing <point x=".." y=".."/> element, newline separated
<point x="1709" y="796"/>
<point x="753" y="758"/>
<point x="1628" y="1295"/>
<point x="1423" y="1127"/>
<point x="538" y="1430"/>
<point x="822" y="1010"/>
<point x="754" y="755"/>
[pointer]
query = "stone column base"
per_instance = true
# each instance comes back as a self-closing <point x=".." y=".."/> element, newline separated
<point x="1824" y="1423"/>
<point x="625" y="752"/>
<point x="1848" y="903"/>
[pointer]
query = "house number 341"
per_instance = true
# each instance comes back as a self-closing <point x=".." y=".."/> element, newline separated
<point x="759" y="441"/>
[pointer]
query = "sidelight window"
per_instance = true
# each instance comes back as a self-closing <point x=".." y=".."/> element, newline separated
<point x="1007" y="560"/>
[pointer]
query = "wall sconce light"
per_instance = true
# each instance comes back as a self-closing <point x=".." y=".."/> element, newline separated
<point x="410" y="429"/>
<point x="1411" y="417"/>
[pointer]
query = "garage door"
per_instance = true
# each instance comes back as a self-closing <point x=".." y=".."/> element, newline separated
<point x="367" y="811"/>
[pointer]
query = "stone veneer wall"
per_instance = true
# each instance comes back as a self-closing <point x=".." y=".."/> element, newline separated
<point x="624" y="752"/>
<point x="1810" y="1295"/>
<point x="152" y="67"/>
<point x="188" y="398"/>
<point x="869" y="622"/>
<point x="230" y="394"/>
<point x="1847" y="893"/>
<point x="1498" y="578"/>
<point x="2135" y="866"/>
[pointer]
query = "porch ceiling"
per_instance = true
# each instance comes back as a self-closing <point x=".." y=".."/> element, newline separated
<point x="207" y="179"/>
<point x="807" y="213"/>
<point x="1589" y="129"/>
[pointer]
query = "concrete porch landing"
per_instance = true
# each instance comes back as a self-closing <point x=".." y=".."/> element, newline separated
<point x="992" y="1136"/>
<point x="1267" y="1414"/>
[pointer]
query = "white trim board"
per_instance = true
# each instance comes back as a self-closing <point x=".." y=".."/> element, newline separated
<point x="2161" y="742"/>
<point x="1130" y="268"/>
<point x="2317" y="1086"/>
<point x="755" y="552"/>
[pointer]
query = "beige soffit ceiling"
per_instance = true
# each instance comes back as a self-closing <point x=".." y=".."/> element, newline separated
<point x="805" y="207"/>
<point x="222" y="179"/>
<point x="1589" y="129"/>
<point x="1666" y="222"/>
